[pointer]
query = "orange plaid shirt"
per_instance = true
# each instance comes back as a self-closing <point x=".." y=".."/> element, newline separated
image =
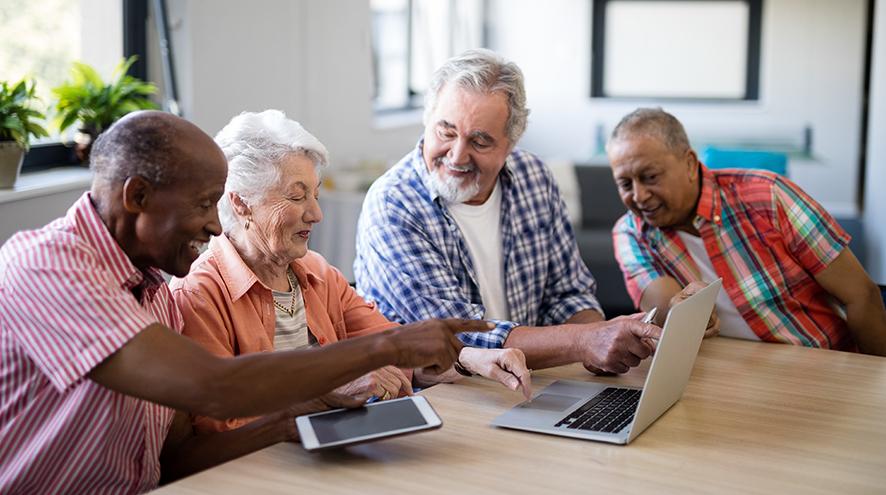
<point x="766" y="238"/>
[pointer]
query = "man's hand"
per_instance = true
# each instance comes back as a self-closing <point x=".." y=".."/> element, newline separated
<point x="506" y="366"/>
<point x="713" y="328"/>
<point x="617" y="345"/>
<point x="431" y="343"/>
<point x="385" y="383"/>
<point x="332" y="400"/>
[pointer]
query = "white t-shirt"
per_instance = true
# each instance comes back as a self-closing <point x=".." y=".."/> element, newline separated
<point x="481" y="227"/>
<point x="731" y="322"/>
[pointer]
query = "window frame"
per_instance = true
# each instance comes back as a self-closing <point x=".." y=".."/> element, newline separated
<point x="135" y="15"/>
<point x="415" y="100"/>
<point x="752" y="73"/>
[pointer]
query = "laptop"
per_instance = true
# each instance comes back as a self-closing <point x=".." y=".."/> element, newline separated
<point x="618" y="414"/>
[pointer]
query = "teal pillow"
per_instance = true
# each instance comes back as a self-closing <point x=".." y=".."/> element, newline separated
<point x="714" y="157"/>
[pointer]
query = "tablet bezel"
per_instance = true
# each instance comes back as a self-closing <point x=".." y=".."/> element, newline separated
<point x="309" y="437"/>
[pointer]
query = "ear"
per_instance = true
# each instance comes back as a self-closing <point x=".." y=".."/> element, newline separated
<point x="239" y="205"/>
<point x="692" y="162"/>
<point x="137" y="194"/>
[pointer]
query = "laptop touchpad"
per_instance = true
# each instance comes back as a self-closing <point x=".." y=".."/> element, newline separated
<point x="551" y="402"/>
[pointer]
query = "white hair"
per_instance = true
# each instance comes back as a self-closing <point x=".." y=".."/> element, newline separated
<point x="483" y="71"/>
<point x="255" y="144"/>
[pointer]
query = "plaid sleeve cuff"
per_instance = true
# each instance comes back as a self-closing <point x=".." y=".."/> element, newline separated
<point x="493" y="339"/>
<point x="567" y="308"/>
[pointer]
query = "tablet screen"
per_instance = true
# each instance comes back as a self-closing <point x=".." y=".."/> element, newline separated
<point x="376" y="418"/>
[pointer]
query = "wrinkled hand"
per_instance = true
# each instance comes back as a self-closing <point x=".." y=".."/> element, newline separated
<point x="617" y="345"/>
<point x="431" y="343"/>
<point x="506" y="366"/>
<point x="385" y="383"/>
<point x="332" y="400"/>
<point x="713" y="328"/>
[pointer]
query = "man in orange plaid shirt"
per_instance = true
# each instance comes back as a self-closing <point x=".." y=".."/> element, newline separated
<point x="788" y="274"/>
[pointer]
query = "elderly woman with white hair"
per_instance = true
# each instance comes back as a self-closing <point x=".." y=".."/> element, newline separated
<point x="259" y="288"/>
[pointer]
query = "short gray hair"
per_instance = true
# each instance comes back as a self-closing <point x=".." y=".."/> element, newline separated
<point x="142" y="146"/>
<point x="483" y="71"/>
<point x="254" y="145"/>
<point x="655" y="123"/>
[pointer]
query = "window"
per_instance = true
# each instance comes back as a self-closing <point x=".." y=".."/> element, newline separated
<point x="691" y="49"/>
<point x="43" y="37"/>
<point x="411" y="38"/>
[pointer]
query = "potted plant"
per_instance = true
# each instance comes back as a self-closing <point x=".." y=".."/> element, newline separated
<point x="17" y="126"/>
<point x="87" y="99"/>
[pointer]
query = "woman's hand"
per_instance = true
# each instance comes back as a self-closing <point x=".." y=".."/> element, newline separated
<point x="506" y="366"/>
<point x="385" y="383"/>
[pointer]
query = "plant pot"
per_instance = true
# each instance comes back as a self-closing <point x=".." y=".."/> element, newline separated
<point x="83" y="140"/>
<point x="11" y="157"/>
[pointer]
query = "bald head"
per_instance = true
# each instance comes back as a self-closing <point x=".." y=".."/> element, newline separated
<point x="151" y="144"/>
<point x="157" y="181"/>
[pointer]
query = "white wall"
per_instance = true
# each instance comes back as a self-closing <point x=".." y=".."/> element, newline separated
<point x="812" y="59"/>
<point x="101" y="34"/>
<point x="310" y="59"/>
<point x="875" y="180"/>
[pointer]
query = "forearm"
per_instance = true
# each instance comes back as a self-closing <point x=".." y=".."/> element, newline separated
<point x="546" y="347"/>
<point x="270" y="382"/>
<point x="586" y="316"/>
<point x="658" y="295"/>
<point x="866" y="319"/>
<point x="199" y="452"/>
<point x="159" y="366"/>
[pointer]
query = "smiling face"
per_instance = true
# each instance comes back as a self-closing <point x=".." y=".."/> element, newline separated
<point x="285" y="216"/>
<point x="465" y="143"/>
<point x="660" y="186"/>
<point x="178" y="219"/>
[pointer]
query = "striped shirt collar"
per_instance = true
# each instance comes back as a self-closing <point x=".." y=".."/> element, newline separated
<point x="89" y="224"/>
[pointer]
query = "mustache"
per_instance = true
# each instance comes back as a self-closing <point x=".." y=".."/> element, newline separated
<point x="445" y="161"/>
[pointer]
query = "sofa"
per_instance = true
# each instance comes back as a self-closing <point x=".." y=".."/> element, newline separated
<point x="600" y="209"/>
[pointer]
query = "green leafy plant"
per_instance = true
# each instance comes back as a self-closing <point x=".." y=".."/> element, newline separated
<point x="17" y="117"/>
<point x="95" y="104"/>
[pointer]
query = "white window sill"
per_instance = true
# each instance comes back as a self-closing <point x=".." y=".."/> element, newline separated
<point x="45" y="182"/>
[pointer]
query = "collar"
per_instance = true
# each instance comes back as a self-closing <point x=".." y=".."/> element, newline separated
<point x="89" y="225"/>
<point x="239" y="278"/>
<point x="709" y="204"/>
<point x="417" y="158"/>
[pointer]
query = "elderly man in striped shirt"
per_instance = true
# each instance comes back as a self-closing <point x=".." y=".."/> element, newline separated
<point x="92" y="360"/>
<point x="783" y="259"/>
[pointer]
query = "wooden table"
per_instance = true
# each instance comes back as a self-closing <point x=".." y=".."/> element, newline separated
<point x="755" y="418"/>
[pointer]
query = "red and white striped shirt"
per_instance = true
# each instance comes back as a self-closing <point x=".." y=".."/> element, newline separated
<point x="67" y="304"/>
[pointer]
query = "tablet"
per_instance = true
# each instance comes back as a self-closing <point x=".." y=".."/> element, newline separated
<point x="342" y="427"/>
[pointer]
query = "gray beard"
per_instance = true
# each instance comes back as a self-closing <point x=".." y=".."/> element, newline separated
<point x="452" y="189"/>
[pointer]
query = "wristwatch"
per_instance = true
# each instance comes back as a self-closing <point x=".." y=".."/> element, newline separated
<point x="461" y="369"/>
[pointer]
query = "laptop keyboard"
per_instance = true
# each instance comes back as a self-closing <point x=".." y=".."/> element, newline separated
<point x="608" y="412"/>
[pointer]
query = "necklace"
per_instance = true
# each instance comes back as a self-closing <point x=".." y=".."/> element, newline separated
<point x="291" y="310"/>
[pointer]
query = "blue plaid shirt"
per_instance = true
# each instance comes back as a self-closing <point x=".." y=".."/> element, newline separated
<point x="414" y="263"/>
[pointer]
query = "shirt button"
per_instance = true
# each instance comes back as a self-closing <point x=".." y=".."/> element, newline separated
<point x="716" y="218"/>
